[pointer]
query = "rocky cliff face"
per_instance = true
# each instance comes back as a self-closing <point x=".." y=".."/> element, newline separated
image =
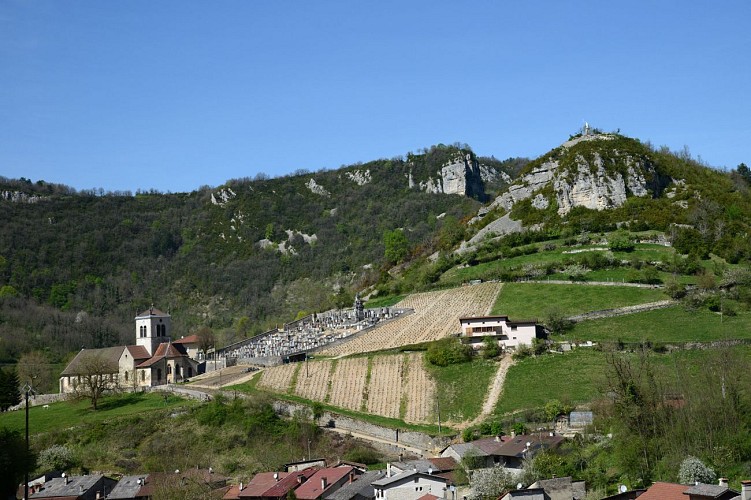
<point x="461" y="175"/>
<point x="573" y="178"/>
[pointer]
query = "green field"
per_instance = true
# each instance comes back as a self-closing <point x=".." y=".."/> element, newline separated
<point x="461" y="388"/>
<point x="66" y="414"/>
<point x="572" y="378"/>
<point x="536" y="300"/>
<point x="673" y="324"/>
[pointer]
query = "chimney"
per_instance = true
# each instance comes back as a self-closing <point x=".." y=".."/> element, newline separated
<point x="724" y="482"/>
<point x="323" y="483"/>
<point x="98" y="495"/>
<point x="351" y="476"/>
<point x="241" y="486"/>
<point x="498" y="439"/>
<point x="513" y="434"/>
<point x="388" y="470"/>
<point x="745" y="490"/>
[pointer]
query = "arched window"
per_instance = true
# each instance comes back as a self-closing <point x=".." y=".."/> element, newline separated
<point x="169" y="370"/>
<point x="143" y="375"/>
<point x="126" y="375"/>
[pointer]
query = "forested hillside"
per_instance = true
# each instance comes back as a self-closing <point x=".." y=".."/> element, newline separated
<point x="75" y="267"/>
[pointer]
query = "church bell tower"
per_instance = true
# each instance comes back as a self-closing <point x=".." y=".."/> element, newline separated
<point x="153" y="327"/>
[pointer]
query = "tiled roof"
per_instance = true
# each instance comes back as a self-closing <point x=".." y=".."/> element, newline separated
<point x="428" y="496"/>
<point x="443" y="463"/>
<point x="166" y="350"/>
<point x="58" y="487"/>
<point x="665" y="491"/>
<point x="361" y="486"/>
<point x="260" y="483"/>
<point x="708" y="490"/>
<point x="128" y="487"/>
<point x="138" y="352"/>
<point x="111" y="355"/>
<point x="282" y="487"/>
<point x="190" y="339"/>
<point x="313" y="488"/>
<point x="517" y="446"/>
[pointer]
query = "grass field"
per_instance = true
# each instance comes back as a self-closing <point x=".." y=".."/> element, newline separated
<point x="461" y="388"/>
<point x="534" y="300"/>
<point x="574" y="377"/>
<point x="673" y="324"/>
<point x="67" y="414"/>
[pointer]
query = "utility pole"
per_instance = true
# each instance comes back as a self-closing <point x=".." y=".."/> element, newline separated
<point x="27" y="389"/>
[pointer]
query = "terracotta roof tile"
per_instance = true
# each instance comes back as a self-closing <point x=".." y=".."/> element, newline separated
<point x="190" y="339"/>
<point x="312" y="488"/>
<point x="665" y="491"/>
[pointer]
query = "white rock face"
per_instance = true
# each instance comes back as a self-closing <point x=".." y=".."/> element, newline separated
<point x="526" y="186"/>
<point x="488" y="174"/>
<point x="222" y="197"/>
<point x="461" y="175"/>
<point x="359" y="177"/>
<point x="285" y="246"/>
<point x="316" y="188"/>
<point x="590" y="185"/>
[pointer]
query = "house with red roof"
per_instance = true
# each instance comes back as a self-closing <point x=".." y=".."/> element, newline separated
<point x="326" y="481"/>
<point x="153" y="360"/>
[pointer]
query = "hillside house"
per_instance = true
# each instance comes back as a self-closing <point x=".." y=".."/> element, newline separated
<point x="411" y="485"/>
<point x="509" y="334"/>
<point x="91" y="487"/>
<point x="359" y="489"/>
<point x="699" y="491"/>
<point x="326" y="481"/>
<point x="153" y="360"/>
<point x="508" y="451"/>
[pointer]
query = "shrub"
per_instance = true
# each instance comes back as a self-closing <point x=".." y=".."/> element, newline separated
<point x="621" y="242"/>
<point x="56" y="458"/>
<point x="448" y="352"/>
<point x="490" y="348"/>
<point x="693" y="470"/>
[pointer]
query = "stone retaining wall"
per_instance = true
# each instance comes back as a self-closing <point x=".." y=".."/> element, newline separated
<point x="621" y="311"/>
<point x="395" y="437"/>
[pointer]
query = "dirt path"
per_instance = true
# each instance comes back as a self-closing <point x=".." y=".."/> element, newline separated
<point x="491" y="399"/>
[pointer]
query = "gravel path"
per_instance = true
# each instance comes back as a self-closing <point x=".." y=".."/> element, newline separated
<point x="491" y="399"/>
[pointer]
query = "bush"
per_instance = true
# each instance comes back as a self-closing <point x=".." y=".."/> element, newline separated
<point x="490" y="348"/>
<point x="448" y="352"/>
<point x="621" y="242"/>
<point x="56" y="458"/>
<point x="693" y="470"/>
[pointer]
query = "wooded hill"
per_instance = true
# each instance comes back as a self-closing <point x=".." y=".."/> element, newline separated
<point x="75" y="267"/>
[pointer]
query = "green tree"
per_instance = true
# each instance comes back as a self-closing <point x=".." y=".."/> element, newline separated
<point x="10" y="395"/>
<point x="396" y="246"/>
<point x="14" y="462"/>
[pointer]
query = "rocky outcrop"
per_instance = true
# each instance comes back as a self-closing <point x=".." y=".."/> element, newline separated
<point x="462" y="175"/>
<point x="222" y="197"/>
<point x="591" y="182"/>
<point x="316" y="188"/>
<point x="20" y="197"/>
<point x="359" y="177"/>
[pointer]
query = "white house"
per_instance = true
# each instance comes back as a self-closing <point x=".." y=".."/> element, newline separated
<point x="510" y="334"/>
<point x="411" y="485"/>
<point x="154" y="360"/>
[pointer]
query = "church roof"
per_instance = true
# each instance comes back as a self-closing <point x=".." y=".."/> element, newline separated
<point x="110" y="355"/>
<point x="138" y="352"/>
<point x="153" y="311"/>
<point x="166" y="350"/>
<point x="190" y="339"/>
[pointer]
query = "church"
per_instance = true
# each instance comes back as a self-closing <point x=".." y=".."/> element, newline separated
<point x="154" y="359"/>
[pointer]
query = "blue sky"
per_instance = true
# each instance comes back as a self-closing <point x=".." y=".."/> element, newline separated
<point x="174" y="95"/>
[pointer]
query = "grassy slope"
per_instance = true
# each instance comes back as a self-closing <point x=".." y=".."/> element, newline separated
<point x="673" y="324"/>
<point x="67" y="414"/>
<point x="530" y="300"/>
<point x="572" y="378"/>
<point x="462" y="388"/>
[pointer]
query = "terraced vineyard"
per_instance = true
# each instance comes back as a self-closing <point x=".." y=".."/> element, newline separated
<point x="398" y="385"/>
<point x="436" y="316"/>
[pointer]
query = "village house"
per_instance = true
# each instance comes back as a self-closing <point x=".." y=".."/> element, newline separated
<point x="509" y="334"/>
<point x="153" y="360"/>
<point x="698" y="491"/>
<point x="359" y="489"/>
<point x="508" y="451"/>
<point x="412" y="485"/>
<point x="91" y="487"/>
<point x="326" y="481"/>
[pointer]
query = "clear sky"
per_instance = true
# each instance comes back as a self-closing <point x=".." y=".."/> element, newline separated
<point x="173" y="95"/>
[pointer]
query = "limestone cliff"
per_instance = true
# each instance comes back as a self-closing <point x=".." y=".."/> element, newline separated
<point x="588" y="172"/>
<point x="461" y="174"/>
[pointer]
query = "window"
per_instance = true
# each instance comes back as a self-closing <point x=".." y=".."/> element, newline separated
<point x="143" y="375"/>
<point x="190" y="371"/>
<point x="159" y="374"/>
<point x="126" y="375"/>
<point x="513" y="328"/>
